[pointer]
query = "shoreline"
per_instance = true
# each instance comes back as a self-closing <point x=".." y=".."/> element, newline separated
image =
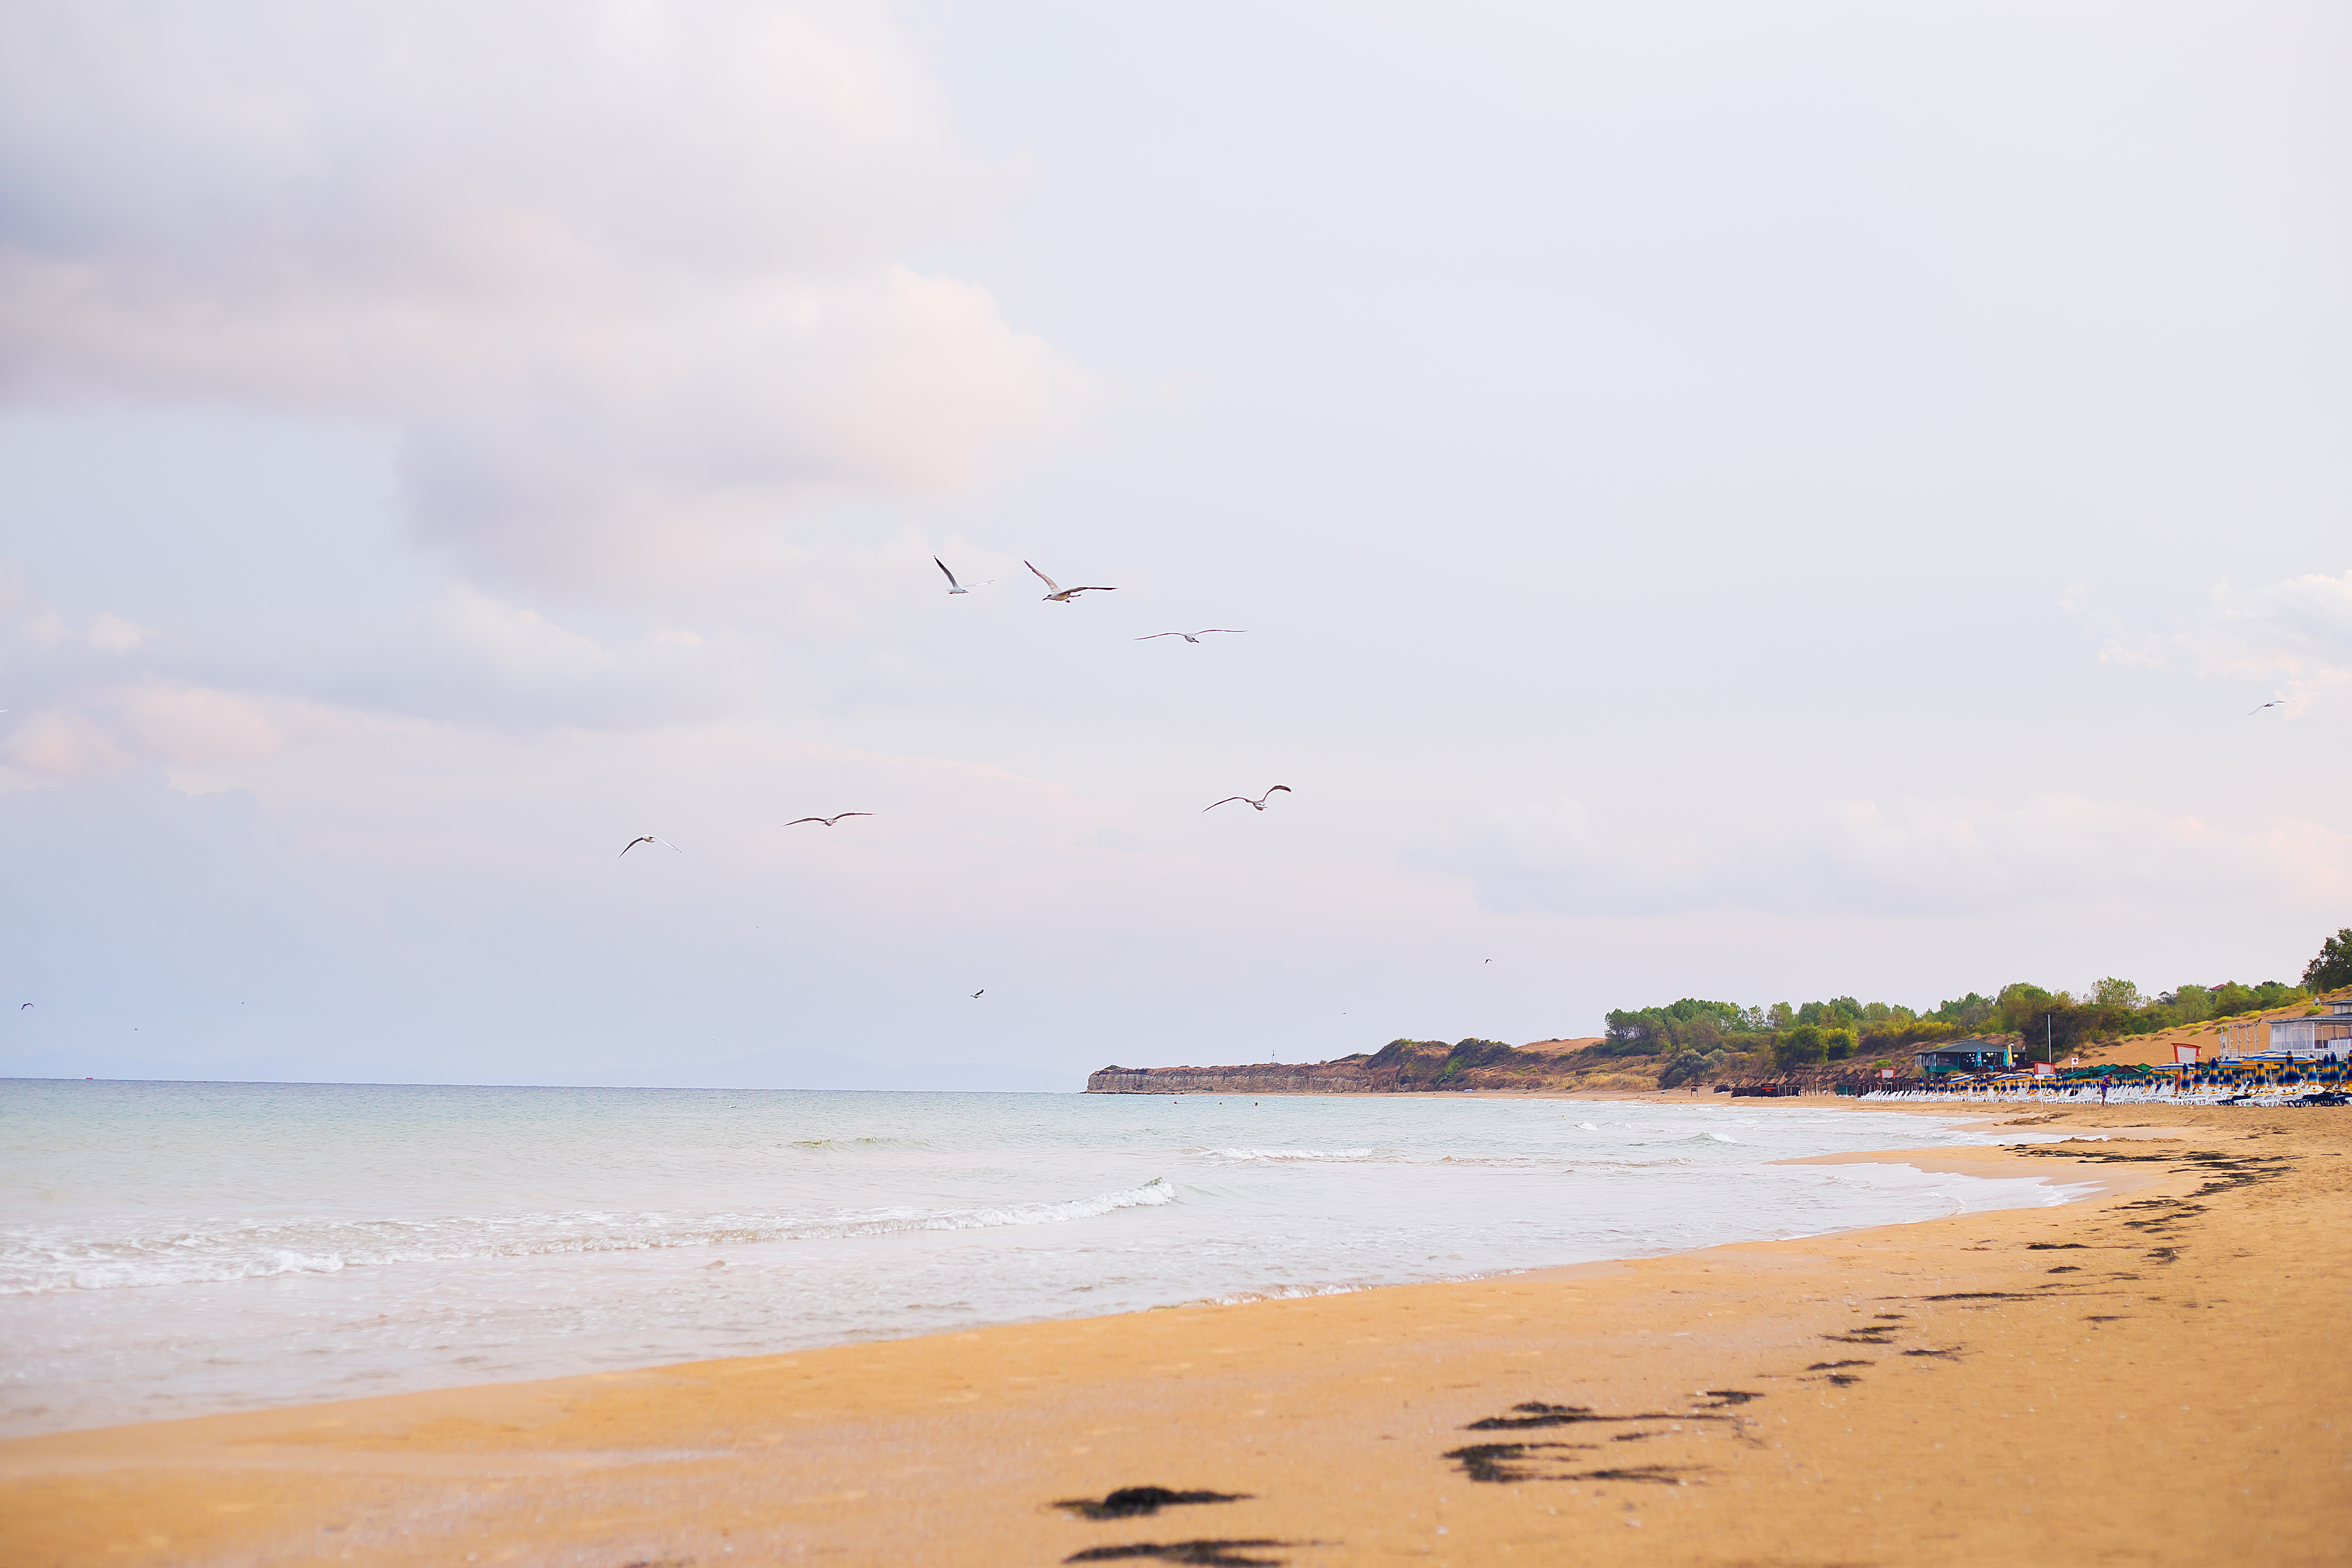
<point x="313" y="1368"/>
<point x="1753" y="1400"/>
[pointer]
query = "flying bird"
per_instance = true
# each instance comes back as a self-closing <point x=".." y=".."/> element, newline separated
<point x="647" y="838"/>
<point x="1061" y="595"/>
<point x="1194" y="636"/>
<point x="975" y="996"/>
<point x="1258" y="805"/>
<point x="828" y="821"/>
<point x="2280" y="703"/>
<point x="955" y="587"/>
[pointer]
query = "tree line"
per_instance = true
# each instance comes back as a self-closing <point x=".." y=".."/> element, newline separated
<point x="1700" y="1038"/>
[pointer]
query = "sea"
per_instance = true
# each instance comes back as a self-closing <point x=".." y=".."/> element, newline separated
<point x="173" y="1249"/>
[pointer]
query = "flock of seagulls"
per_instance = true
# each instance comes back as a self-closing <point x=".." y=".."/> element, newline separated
<point x="1054" y="594"/>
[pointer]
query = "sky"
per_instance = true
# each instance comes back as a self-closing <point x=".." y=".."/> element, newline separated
<point x="1753" y="502"/>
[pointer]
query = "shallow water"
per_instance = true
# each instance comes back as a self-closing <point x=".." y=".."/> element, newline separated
<point x="174" y="1249"/>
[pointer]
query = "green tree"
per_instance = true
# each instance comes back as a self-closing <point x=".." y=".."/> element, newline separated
<point x="2114" y="992"/>
<point x="1968" y="1012"/>
<point x="1837" y="1044"/>
<point x="1800" y="1046"/>
<point x="1687" y="1024"/>
<point x="2333" y="968"/>
<point x="1641" y="1034"/>
<point x="1682" y="1069"/>
<point x="2020" y="1005"/>
<point x="2189" y="1003"/>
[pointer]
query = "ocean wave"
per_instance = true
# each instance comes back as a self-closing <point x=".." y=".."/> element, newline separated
<point x="1276" y="1293"/>
<point x="34" y="1265"/>
<point x="1291" y="1153"/>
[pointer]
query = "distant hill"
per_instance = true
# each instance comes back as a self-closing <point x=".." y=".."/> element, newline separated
<point x="1401" y="1066"/>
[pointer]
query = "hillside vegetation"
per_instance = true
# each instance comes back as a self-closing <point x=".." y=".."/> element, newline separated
<point x="1703" y="1040"/>
<point x="1693" y="1042"/>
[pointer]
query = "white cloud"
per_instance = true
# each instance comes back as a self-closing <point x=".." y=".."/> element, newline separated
<point x="192" y="724"/>
<point x="471" y="656"/>
<point x="628" y="277"/>
<point x="112" y="634"/>
<point x="1955" y="856"/>
<point x="1901" y="856"/>
<point x="46" y="746"/>
<point x="2294" y="636"/>
<point x="34" y="628"/>
<point x="2297" y="634"/>
<point x="1547" y="855"/>
<point x="107" y="730"/>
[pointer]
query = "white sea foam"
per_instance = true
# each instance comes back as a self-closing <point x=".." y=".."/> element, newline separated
<point x="229" y="1250"/>
<point x="1292" y="1153"/>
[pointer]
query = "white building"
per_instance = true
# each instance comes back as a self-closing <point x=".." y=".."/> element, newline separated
<point x="2328" y="1035"/>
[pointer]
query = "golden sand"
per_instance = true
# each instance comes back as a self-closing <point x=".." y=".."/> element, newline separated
<point x="2151" y="1376"/>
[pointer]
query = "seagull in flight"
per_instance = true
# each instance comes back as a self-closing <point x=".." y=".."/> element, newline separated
<point x="828" y="821"/>
<point x="2280" y="703"/>
<point x="1061" y="595"/>
<point x="647" y="838"/>
<point x="975" y="996"/>
<point x="1258" y="805"/>
<point x="956" y="588"/>
<point x="1193" y="636"/>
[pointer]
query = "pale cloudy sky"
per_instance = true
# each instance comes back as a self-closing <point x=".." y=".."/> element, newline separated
<point x="1748" y="501"/>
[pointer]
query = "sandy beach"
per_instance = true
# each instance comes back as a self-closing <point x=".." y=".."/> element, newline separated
<point x="2150" y="1375"/>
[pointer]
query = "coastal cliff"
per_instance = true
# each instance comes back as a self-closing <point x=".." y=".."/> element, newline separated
<point x="1423" y="1066"/>
<point x="1401" y="1067"/>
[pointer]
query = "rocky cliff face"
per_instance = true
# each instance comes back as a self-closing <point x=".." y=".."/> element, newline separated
<point x="1402" y="1067"/>
<point x="1421" y="1067"/>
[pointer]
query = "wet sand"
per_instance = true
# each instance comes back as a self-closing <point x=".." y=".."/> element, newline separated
<point x="2152" y="1375"/>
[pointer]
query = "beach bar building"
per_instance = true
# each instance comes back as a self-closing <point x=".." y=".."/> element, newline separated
<point x="2327" y="1036"/>
<point x="1960" y="1056"/>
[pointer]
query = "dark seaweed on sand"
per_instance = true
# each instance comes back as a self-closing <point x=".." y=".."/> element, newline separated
<point x="1130" y="1501"/>
<point x="1535" y="1412"/>
<point x="1504" y="1462"/>
<point x="1208" y="1554"/>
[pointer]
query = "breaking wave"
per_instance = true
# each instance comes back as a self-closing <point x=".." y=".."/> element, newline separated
<point x="33" y="1264"/>
<point x="1291" y="1153"/>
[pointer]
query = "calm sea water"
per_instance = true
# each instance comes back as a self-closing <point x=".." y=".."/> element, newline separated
<point x="175" y="1250"/>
